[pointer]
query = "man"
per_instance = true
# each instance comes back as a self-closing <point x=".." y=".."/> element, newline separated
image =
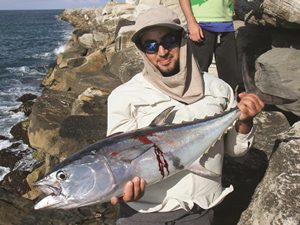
<point x="211" y="27"/>
<point x="172" y="77"/>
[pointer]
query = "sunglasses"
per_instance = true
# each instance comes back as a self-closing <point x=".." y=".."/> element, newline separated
<point x="168" y="41"/>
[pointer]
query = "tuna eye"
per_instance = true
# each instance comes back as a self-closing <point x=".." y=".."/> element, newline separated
<point x="61" y="175"/>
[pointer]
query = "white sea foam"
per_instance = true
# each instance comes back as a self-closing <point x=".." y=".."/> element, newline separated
<point x="67" y="34"/>
<point x="27" y="163"/>
<point x="45" y="55"/>
<point x="5" y="144"/>
<point x="18" y="70"/>
<point x="59" y="49"/>
<point x="23" y="70"/>
<point x="7" y="121"/>
<point x="3" y="172"/>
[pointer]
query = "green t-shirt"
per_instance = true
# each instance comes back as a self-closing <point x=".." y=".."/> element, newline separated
<point x="212" y="10"/>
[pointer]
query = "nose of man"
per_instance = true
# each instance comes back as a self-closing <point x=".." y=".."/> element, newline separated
<point x="162" y="51"/>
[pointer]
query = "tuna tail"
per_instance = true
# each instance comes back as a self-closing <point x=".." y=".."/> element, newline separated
<point x="251" y="87"/>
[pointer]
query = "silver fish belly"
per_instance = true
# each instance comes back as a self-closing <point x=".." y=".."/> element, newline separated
<point x="100" y="171"/>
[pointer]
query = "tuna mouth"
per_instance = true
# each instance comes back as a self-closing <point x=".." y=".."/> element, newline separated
<point x="48" y="189"/>
<point x="53" y="198"/>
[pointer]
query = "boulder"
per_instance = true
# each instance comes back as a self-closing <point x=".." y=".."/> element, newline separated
<point x="275" y="13"/>
<point x="126" y="63"/>
<point x="65" y="79"/>
<point x="277" y="197"/>
<point x="278" y="74"/>
<point x="56" y="131"/>
<point x="48" y="112"/>
<point x="11" y="205"/>
<point x="86" y="40"/>
<point x="91" y="101"/>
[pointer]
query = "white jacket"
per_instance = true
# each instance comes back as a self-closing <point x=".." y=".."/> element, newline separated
<point x="136" y="103"/>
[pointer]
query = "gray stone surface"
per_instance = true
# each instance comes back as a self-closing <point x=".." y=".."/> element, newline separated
<point x="278" y="74"/>
<point x="277" y="198"/>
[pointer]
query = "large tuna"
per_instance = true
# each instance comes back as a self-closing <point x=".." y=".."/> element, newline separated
<point x="100" y="171"/>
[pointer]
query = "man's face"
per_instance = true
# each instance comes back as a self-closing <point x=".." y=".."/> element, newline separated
<point x="165" y="57"/>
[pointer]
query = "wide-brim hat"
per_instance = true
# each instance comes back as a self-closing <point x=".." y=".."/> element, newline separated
<point x="159" y="16"/>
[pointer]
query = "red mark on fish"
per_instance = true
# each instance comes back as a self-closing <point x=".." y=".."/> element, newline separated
<point x="162" y="162"/>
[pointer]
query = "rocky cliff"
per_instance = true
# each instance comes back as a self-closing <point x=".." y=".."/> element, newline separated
<point x="71" y="112"/>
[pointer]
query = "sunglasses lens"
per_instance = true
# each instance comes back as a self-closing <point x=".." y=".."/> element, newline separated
<point x="150" y="47"/>
<point x="168" y="41"/>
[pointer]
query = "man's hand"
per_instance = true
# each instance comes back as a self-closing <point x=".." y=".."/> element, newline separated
<point x="195" y="32"/>
<point x="133" y="190"/>
<point x="250" y="105"/>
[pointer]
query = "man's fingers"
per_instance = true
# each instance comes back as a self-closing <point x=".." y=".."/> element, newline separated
<point x="114" y="200"/>
<point x="133" y="190"/>
<point x="142" y="185"/>
<point x="250" y="105"/>
<point x="253" y="98"/>
<point x="128" y="192"/>
<point x="136" y="188"/>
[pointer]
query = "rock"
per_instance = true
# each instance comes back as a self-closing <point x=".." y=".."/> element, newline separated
<point x="82" y="18"/>
<point x="102" y="39"/>
<point x="27" y="102"/>
<point x="102" y="80"/>
<point x="27" y="97"/>
<point x="126" y="64"/>
<point x="48" y="112"/>
<point x="53" y="130"/>
<point x="15" y="180"/>
<point x="65" y="79"/>
<point x="123" y="40"/>
<point x="276" y="13"/>
<point x="12" y="205"/>
<point x="269" y="125"/>
<point x="79" y="131"/>
<point x="280" y="75"/>
<point x="285" y="38"/>
<point x="277" y="198"/>
<point x="19" y="131"/>
<point x="91" y="102"/>
<point x="93" y="64"/>
<point x="3" y="137"/>
<point x="25" y="108"/>
<point x="86" y="40"/>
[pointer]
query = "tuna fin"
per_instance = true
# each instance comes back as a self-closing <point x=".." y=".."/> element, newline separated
<point x="251" y="87"/>
<point x="196" y="168"/>
<point x="160" y="120"/>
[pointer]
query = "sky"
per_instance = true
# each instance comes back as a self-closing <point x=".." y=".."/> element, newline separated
<point x="50" y="4"/>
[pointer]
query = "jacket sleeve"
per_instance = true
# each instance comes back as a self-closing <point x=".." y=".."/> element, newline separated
<point x="237" y="144"/>
<point x="120" y="112"/>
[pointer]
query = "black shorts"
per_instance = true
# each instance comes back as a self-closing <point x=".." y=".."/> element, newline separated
<point x="197" y="216"/>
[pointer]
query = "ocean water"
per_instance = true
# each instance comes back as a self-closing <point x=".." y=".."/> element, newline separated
<point x="29" y="43"/>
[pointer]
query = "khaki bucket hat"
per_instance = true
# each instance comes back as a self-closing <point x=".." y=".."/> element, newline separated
<point x="159" y="16"/>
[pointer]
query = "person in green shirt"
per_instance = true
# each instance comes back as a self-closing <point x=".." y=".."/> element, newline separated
<point x="211" y="28"/>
